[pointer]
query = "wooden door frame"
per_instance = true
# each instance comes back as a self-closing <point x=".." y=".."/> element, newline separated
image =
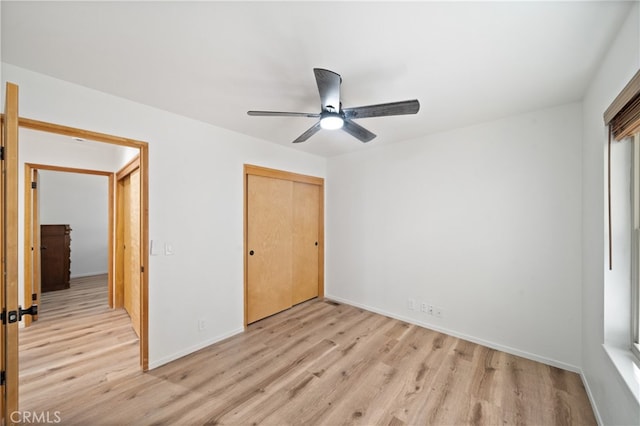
<point x="143" y="148"/>
<point x="32" y="263"/>
<point x="250" y="169"/>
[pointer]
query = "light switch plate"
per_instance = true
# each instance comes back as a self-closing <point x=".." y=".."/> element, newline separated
<point x="156" y="248"/>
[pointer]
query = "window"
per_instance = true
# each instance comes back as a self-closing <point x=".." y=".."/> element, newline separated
<point x="623" y="119"/>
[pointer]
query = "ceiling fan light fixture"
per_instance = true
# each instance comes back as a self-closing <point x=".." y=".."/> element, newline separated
<point x="331" y="122"/>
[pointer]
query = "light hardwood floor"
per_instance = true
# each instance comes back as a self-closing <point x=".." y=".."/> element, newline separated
<point x="317" y="363"/>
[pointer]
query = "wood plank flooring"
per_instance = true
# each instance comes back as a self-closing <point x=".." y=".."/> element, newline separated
<point x="319" y="363"/>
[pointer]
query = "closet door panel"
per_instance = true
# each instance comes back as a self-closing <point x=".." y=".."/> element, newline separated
<point x="270" y="244"/>
<point x="306" y="208"/>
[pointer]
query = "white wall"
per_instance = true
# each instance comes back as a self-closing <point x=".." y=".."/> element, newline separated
<point x="483" y="222"/>
<point x="605" y="298"/>
<point x="195" y="203"/>
<point x="81" y="201"/>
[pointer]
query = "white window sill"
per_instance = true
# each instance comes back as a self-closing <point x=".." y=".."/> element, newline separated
<point x="626" y="364"/>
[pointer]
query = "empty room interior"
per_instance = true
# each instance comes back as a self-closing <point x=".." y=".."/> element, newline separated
<point x="342" y="212"/>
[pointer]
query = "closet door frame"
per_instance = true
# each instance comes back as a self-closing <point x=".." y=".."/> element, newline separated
<point x="294" y="177"/>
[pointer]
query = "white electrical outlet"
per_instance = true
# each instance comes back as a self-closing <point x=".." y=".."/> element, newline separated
<point x="437" y="311"/>
<point x="201" y="324"/>
<point x="423" y="307"/>
<point x="430" y="309"/>
<point x="411" y="304"/>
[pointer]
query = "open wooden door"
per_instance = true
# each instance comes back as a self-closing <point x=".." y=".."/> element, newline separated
<point x="132" y="248"/>
<point x="128" y="288"/>
<point x="9" y="254"/>
<point x="36" y="290"/>
<point x="32" y="254"/>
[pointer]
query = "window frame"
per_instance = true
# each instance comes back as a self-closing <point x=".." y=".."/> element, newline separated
<point x="635" y="246"/>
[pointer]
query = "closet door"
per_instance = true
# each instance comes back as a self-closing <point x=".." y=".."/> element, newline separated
<point x="269" y="246"/>
<point x="306" y="212"/>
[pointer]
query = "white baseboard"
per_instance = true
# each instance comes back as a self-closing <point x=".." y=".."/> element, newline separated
<point x="167" y="359"/>
<point x="453" y="333"/>
<point x="592" y="400"/>
<point x="87" y="274"/>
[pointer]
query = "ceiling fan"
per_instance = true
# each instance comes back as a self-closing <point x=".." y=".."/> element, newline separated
<point x="333" y="116"/>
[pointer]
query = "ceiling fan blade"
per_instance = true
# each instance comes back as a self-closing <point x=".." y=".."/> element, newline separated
<point x="282" y="114"/>
<point x="329" y="88"/>
<point x="381" y="110"/>
<point x="306" y="135"/>
<point x="357" y="131"/>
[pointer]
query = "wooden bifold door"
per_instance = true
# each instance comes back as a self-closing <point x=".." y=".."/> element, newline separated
<point x="283" y="241"/>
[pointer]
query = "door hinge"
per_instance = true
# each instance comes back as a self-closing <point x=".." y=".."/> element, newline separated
<point x="3" y="378"/>
<point x="34" y="297"/>
<point x="142" y="269"/>
<point x="1" y="152"/>
<point x="34" y="185"/>
<point x="32" y="310"/>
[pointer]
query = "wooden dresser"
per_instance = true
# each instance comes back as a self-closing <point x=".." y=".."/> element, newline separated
<point x="55" y="252"/>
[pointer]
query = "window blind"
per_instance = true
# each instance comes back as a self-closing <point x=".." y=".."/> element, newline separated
<point x="623" y="116"/>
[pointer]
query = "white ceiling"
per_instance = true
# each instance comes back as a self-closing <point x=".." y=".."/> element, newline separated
<point x="465" y="62"/>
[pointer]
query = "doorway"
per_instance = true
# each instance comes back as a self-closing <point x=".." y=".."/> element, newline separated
<point x="34" y="246"/>
<point x="83" y="136"/>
